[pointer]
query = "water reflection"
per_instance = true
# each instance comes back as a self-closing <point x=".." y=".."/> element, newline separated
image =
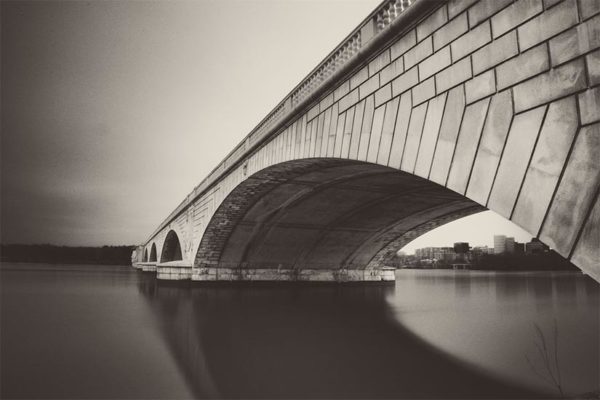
<point x="324" y="341"/>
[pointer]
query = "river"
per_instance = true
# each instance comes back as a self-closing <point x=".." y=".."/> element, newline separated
<point x="74" y="331"/>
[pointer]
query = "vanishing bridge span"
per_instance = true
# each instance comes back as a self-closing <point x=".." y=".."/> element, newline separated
<point x="428" y="111"/>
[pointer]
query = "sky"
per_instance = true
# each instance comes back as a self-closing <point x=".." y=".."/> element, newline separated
<point x="113" y="111"/>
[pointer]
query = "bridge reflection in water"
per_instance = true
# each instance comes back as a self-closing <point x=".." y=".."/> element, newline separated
<point x="276" y="340"/>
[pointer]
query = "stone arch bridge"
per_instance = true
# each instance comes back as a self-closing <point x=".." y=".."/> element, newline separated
<point x="428" y="111"/>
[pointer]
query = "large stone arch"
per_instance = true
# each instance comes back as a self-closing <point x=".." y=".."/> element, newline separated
<point x="153" y="254"/>
<point x="171" y="249"/>
<point x="498" y="110"/>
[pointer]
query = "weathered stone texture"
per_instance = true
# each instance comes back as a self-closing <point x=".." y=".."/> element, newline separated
<point x="365" y="131"/>
<point x="453" y="75"/>
<point x="579" y="40"/>
<point x="368" y="87"/>
<point x="546" y="164"/>
<point x="432" y="23"/>
<point x="379" y="62"/>
<point x="587" y="251"/>
<point x="435" y="111"/>
<point x="400" y="130"/>
<point x="484" y="9"/>
<point x="576" y="191"/>
<point x="418" y="53"/>
<point x="375" y="137"/>
<point x="383" y="95"/>
<point x="587" y="8"/>
<point x="494" y="53"/>
<point x="469" y="42"/>
<point x="387" y="133"/>
<point x="450" y="31"/>
<point x="548" y="24"/>
<point x="341" y="91"/>
<point x="466" y="146"/>
<point x="514" y="15"/>
<point x="589" y="106"/>
<point x="359" y="77"/>
<point x="592" y="61"/>
<point x="436" y="62"/>
<point x="405" y="43"/>
<point x="415" y="129"/>
<point x="455" y="7"/>
<point x="490" y="148"/>
<point x="405" y="81"/>
<point x="558" y="82"/>
<point x="515" y="159"/>
<point x="391" y="71"/>
<point x="528" y="64"/>
<point x="349" y="100"/>
<point x="453" y="114"/>
<point x="423" y="91"/>
<point x="480" y="86"/>
<point x="356" y="129"/>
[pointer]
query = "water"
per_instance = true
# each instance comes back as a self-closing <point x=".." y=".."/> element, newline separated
<point x="113" y="332"/>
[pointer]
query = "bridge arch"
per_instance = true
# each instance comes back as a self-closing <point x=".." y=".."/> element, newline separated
<point x="153" y="257"/>
<point x="323" y="216"/>
<point x="171" y="250"/>
<point x="145" y="255"/>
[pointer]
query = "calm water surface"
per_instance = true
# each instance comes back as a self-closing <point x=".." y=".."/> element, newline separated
<point x="113" y="332"/>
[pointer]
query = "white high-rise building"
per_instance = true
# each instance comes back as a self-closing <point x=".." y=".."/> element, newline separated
<point x="500" y="244"/>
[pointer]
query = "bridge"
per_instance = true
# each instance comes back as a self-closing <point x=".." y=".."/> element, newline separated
<point x="427" y="112"/>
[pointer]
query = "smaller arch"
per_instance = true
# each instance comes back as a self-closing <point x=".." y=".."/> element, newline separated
<point x="153" y="253"/>
<point x="145" y="255"/>
<point x="171" y="250"/>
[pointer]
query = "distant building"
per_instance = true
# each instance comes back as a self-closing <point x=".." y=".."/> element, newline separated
<point x="509" y="245"/>
<point x="499" y="244"/>
<point x="481" y="250"/>
<point x="535" y="247"/>
<point x="519" y="248"/>
<point x="461" y="247"/>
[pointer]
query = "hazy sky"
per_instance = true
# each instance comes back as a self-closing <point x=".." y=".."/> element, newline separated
<point x="113" y="111"/>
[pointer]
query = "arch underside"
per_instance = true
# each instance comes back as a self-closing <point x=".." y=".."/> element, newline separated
<point x="324" y="214"/>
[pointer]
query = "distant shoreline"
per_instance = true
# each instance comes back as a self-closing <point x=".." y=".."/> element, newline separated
<point x="51" y="254"/>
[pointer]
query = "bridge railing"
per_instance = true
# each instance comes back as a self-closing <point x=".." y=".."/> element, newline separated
<point x="307" y="91"/>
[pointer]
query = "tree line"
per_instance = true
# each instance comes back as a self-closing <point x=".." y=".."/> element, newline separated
<point x="51" y="254"/>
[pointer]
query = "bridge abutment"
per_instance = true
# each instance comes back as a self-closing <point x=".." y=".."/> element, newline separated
<point x="215" y="274"/>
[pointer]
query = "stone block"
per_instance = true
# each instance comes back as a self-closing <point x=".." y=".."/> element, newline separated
<point x="401" y="127"/>
<point x="349" y="100"/>
<point x="313" y="112"/>
<point x="368" y="87"/>
<point x="455" y="7"/>
<point x="433" y="119"/>
<point x="546" y="164"/>
<point x="576" y="191"/>
<point x="383" y="95"/>
<point x="453" y="114"/>
<point x="587" y="251"/>
<point x="379" y="62"/>
<point x="550" y="3"/>
<point x="528" y="64"/>
<point x="352" y="144"/>
<point x="515" y="15"/>
<point x="453" y="75"/>
<point x="450" y="31"/>
<point x="365" y="131"/>
<point x="481" y="86"/>
<point x="359" y="77"/>
<point x="579" y="40"/>
<point x="588" y="8"/>
<point x="466" y="145"/>
<point x="403" y="44"/>
<point x="341" y="91"/>
<point x="326" y="102"/>
<point x="413" y="138"/>
<point x="405" y="81"/>
<point x="432" y="23"/>
<point x="375" y="137"/>
<point x="423" y="91"/>
<point x="436" y="62"/>
<point x="490" y="147"/>
<point x="556" y="83"/>
<point x="589" y="106"/>
<point x="469" y="42"/>
<point x="418" y="53"/>
<point x="515" y="159"/>
<point x="496" y="52"/>
<point x="592" y="61"/>
<point x="387" y="132"/>
<point x="482" y="10"/>
<point x="548" y="24"/>
<point x="391" y="71"/>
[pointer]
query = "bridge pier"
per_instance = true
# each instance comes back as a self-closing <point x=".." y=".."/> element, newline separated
<point x="212" y="274"/>
<point x="174" y="271"/>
